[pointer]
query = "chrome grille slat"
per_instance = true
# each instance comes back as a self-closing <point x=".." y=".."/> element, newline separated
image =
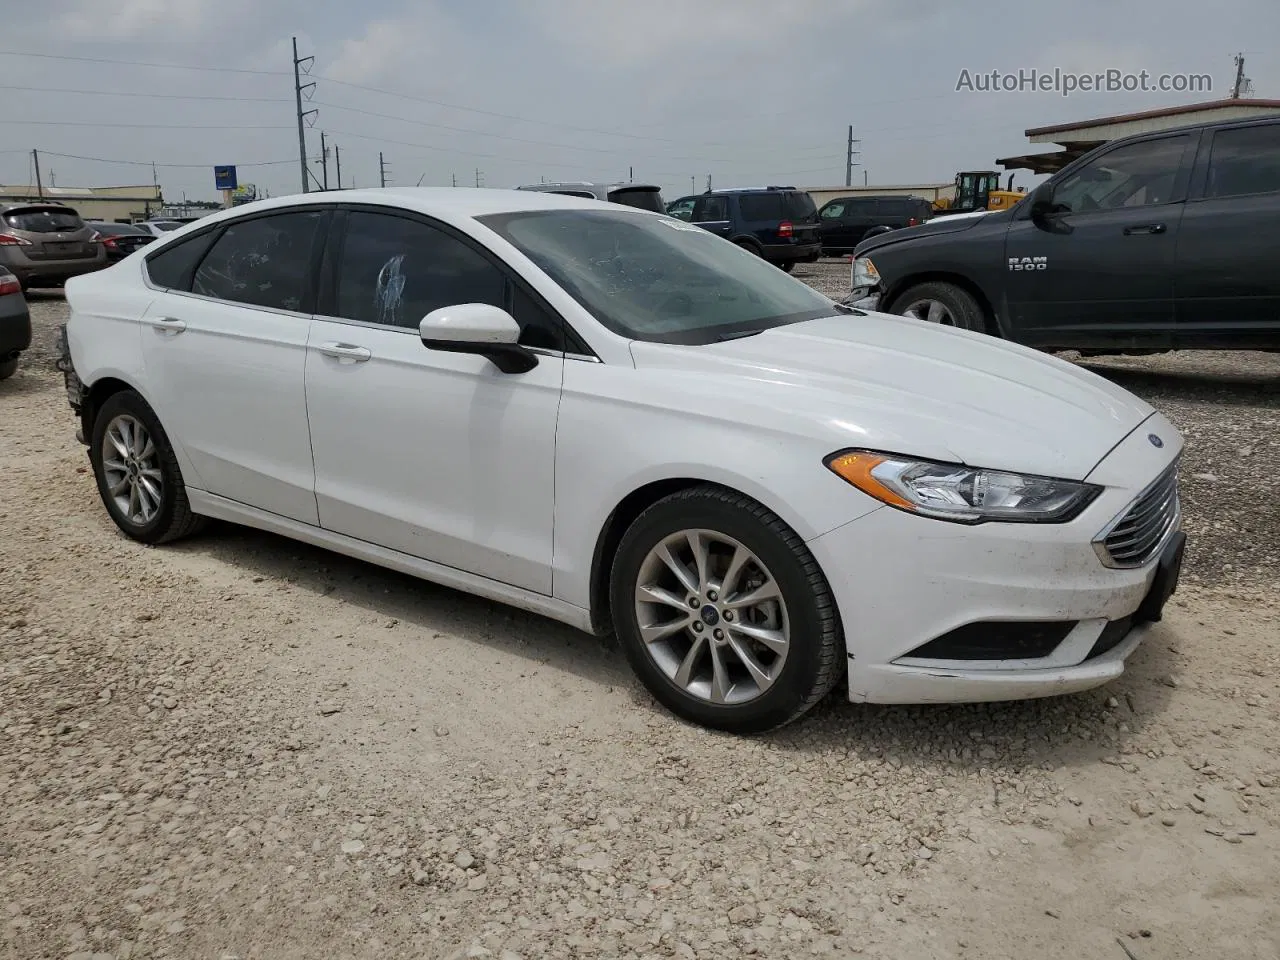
<point x="1135" y="537"/>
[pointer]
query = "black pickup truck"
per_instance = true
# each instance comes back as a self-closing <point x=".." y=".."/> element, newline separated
<point x="1161" y="241"/>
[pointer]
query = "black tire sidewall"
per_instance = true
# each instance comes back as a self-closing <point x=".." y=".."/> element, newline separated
<point x="8" y="368"/>
<point x="801" y="670"/>
<point x="964" y="308"/>
<point x="130" y="403"/>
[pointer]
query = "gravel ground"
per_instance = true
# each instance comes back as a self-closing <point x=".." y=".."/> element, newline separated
<point x="241" y="747"/>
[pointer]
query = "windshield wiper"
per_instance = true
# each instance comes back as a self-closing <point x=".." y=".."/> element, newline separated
<point x="849" y="308"/>
<point x="740" y="335"/>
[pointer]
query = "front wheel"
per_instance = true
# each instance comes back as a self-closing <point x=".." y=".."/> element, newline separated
<point x="138" y="475"/>
<point x="942" y="303"/>
<point x="723" y="612"/>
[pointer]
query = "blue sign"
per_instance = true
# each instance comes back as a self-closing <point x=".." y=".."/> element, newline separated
<point x="224" y="178"/>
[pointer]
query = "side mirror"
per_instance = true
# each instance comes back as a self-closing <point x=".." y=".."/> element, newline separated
<point x="481" y="329"/>
<point x="1041" y="202"/>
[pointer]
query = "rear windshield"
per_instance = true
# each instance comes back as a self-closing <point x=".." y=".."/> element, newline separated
<point x="165" y="225"/>
<point x="645" y="198"/>
<point x="800" y="206"/>
<point x="37" y="220"/>
<point x="119" y="230"/>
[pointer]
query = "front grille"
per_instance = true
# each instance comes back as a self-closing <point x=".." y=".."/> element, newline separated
<point x="997" y="640"/>
<point x="1134" y="539"/>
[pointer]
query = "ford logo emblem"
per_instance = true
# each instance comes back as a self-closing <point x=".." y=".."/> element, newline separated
<point x="1155" y="441"/>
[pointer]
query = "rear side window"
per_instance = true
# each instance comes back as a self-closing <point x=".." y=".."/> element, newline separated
<point x="643" y="198"/>
<point x="762" y="206"/>
<point x="44" y="220"/>
<point x="263" y="262"/>
<point x="862" y="208"/>
<point x="1245" y="161"/>
<point x="172" y="267"/>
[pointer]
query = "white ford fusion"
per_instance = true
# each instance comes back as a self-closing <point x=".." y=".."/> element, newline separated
<point x="621" y="421"/>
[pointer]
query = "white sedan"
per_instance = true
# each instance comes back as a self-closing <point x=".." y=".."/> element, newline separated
<point x="618" y="420"/>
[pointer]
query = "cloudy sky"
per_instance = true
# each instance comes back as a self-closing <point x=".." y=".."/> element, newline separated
<point x="748" y="91"/>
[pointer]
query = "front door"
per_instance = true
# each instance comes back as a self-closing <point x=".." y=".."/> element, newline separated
<point x="437" y="455"/>
<point x="711" y="213"/>
<point x="225" y="356"/>
<point x="1100" y="268"/>
<point x="1227" y="287"/>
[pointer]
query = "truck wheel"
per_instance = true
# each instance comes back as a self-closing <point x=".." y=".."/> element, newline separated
<point x="8" y="368"/>
<point x="942" y="303"/>
<point x="787" y="267"/>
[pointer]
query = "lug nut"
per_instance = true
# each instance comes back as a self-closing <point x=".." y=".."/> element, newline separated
<point x="695" y="602"/>
<point x="719" y="634"/>
<point x="697" y="626"/>
<point x="728" y="616"/>
<point x="712" y="596"/>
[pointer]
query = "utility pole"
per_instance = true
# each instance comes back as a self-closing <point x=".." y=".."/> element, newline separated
<point x="324" y="160"/>
<point x="708" y="183"/>
<point x="300" y="66"/>
<point x="35" y="158"/>
<point x="455" y="179"/>
<point x="382" y="169"/>
<point x="337" y="159"/>
<point x="693" y="184"/>
<point x="479" y="177"/>
<point x="631" y="174"/>
<point x="1240" y="77"/>
<point x="850" y="153"/>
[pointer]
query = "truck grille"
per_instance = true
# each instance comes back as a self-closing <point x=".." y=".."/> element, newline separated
<point x="1134" y="539"/>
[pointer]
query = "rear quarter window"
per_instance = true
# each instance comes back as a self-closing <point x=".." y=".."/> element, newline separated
<point x="761" y="206"/>
<point x="173" y="267"/>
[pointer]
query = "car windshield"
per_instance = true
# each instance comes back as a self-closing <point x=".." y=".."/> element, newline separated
<point x="39" y="220"/>
<point x="655" y="278"/>
<point x="800" y="206"/>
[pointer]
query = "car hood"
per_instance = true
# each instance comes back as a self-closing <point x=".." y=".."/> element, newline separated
<point x="899" y="385"/>
<point x="955" y="223"/>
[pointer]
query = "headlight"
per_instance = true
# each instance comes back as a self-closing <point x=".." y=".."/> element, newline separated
<point x="962" y="494"/>
<point x="865" y="273"/>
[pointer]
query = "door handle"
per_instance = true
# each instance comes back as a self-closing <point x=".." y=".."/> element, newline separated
<point x="166" y="324"/>
<point x="1145" y="228"/>
<point x="345" y="352"/>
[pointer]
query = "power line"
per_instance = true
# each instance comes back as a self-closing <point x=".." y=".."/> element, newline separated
<point x="150" y="96"/>
<point x="148" y="163"/>
<point x="142" y="63"/>
<point x="145" y="126"/>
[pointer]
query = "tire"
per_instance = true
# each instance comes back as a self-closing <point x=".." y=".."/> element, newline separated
<point x="958" y="306"/>
<point x="787" y="267"/>
<point x="8" y="368"/>
<point x="163" y="512"/>
<point x="804" y="619"/>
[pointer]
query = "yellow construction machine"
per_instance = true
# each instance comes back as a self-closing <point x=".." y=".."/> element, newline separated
<point x="979" y="190"/>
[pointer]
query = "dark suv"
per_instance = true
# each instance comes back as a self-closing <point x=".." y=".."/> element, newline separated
<point x="847" y="220"/>
<point x="777" y="223"/>
<point x="1159" y="241"/>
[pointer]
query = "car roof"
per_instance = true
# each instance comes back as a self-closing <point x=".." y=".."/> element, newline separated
<point x="451" y="204"/>
<point x="35" y="204"/>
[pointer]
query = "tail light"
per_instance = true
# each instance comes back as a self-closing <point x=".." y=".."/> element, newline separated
<point x="785" y="230"/>
<point x="9" y="284"/>
<point x="7" y="240"/>
<point x="912" y="221"/>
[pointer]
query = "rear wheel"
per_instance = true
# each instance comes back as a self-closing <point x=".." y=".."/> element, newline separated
<point x="942" y="303"/>
<point x="787" y="267"/>
<point x="138" y="475"/>
<point x="723" y="612"/>
<point x="8" y="368"/>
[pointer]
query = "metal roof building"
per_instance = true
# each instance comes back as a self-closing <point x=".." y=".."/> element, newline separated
<point x="1077" y="139"/>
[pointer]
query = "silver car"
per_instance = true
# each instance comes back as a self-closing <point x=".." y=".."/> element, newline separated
<point x="45" y="244"/>
<point x="646" y="196"/>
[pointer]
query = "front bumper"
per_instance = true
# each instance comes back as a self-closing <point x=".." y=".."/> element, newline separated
<point x="902" y="581"/>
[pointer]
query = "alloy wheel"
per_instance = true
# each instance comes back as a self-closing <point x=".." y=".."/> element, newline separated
<point x="131" y="466"/>
<point x="931" y="311"/>
<point x="712" y="617"/>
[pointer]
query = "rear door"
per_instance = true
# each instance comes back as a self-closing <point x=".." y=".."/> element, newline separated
<point x="224" y="345"/>
<point x="799" y="209"/>
<point x="1099" y="271"/>
<point x="711" y="213"/>
<point x="862" y="215"/>
<point x="1226" y="284"/>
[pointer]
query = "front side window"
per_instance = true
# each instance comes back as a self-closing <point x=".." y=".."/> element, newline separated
<point x="1245" y="161"/>
<point x="682" y="209"/>
<point x="263" y="262"/>
<point x="1137" y="175"/>
<point x="657" y="279"/>
<point x="833" y="210"/>
<point x="394" y="271"/>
